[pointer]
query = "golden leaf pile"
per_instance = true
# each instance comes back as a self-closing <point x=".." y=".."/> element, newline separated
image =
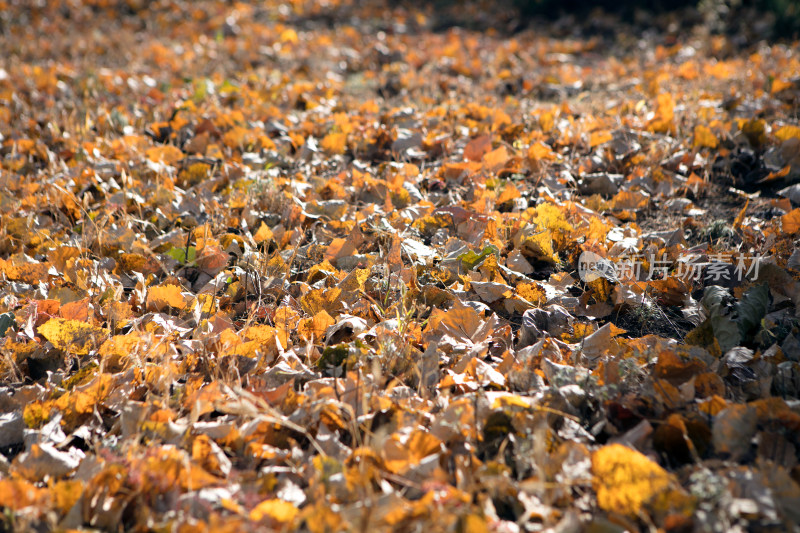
<point x="325" y="266"/>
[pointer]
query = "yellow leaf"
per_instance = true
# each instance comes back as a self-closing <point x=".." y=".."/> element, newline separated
<point x="355" y="280"/>
<point x="755" y="130"/>
<point x="81" y="402"/>
<point x="547" y="120"/>
<point x="35" y="414"/>
<point x="511" y="400"/>
<point x="540" y="245"/>
<point x="174" y="468"/>
<point x="73" y="336"/>
<point x="317" y="300"/>
<point x="787" y="132"/>
<point x="599" y="137"/>
<point x="66" y="493"/>
<point x="263" y="337"/>
<point x="473" y="523"/>
<point x="532" y="292"/>
<point x="289" y="35"/>
<point x="163" y="296"/>
<point x="320" y="271"/>
<point x="704" y="138"/>
<point x="261" y="333"/>
<point x="552" y="217"/>
<point x="274" y="509"/>
<point x="276" y="267"/>
<point x="116" y="350"/>
<point x="626" y="480"/>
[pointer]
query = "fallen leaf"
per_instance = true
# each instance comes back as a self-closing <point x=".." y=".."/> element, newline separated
<point x="275" y="510"/>
<point x="626" y="481"/>
<point x="72" y="336"/>
<point x="163" y="297"/>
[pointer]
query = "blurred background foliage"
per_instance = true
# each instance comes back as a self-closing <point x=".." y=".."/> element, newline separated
<point x="768" y="19"/>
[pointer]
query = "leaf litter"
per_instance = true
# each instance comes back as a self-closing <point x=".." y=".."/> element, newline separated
<point x="347" y="265"/>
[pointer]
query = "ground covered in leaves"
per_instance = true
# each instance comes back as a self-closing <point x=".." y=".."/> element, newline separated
<point x="349" y="266"/>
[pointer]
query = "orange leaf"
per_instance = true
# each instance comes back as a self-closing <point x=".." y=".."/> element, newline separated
<point x="400" y="456"/>
<point x="790" y="222"/>
<point x="509" y="193"/>
<point x="334" y="143"/>
<point x="264" y="233"/>
<point x="163" y="296"/>
<point x="541" y="152"/>
<point x="782" y="173"/>
<point x="76" y="310"/>
<point x="339" y="247"/>
<point x="167" y="154"/>
<point x="662" y="122"/>
<point x="27" y="272"/>
<point x="477" y="147"/>
<point x="713" y="405"/>
<point x="779" y="85"/>
<point x="314" y="328"/>
<point x="630" y="200"/>
<point x="17" y="494"/>
<point x="394" y="257"/>
<point x="494" y="160"/>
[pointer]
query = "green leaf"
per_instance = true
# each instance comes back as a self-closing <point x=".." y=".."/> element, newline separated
<point x="752" y="307"/>
<point x="471" y="260"/>
<point x="228" y="87"/>
<point x="714" y="298"/>
<point x="726" y="331"/>
<point x="6" y="321"/>
<point x="182" y="256"/>
<point x="333" y="356"/>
